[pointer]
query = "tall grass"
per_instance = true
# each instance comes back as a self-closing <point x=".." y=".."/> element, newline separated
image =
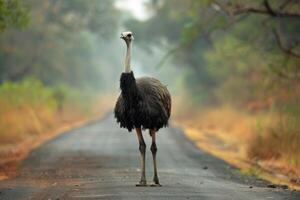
<point x="269" y="137"/>
<point x="29" y="108"/>
<point x="280" y="138"/>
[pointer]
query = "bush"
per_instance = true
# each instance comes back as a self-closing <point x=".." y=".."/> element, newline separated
<point x="29" y="107"/>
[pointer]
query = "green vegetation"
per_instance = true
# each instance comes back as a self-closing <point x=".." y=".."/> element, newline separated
<point x="29" y="108"/>
<point x="52" y="58"/>
<point x="12" y="14"/>
<point x="59" y="43"/>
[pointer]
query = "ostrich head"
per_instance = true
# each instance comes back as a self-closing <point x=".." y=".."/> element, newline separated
<point x="127" y="36"/>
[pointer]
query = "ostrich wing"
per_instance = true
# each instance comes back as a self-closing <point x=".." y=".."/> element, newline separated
<point x="155" y="93"/>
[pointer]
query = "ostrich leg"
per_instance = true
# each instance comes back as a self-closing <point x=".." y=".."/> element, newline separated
<point x="142" y="148"/>
<point x="154" y="150"/>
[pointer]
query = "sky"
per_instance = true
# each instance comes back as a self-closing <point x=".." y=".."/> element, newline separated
<point x="135" y="7"/>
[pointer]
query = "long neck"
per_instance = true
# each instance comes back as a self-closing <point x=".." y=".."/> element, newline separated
<point x="128" y="57"/>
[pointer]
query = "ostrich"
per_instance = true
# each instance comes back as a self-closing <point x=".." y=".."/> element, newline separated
<point x="144" y="103"/>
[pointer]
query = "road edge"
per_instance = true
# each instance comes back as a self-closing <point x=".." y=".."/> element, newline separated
<point x="9" y="167"/>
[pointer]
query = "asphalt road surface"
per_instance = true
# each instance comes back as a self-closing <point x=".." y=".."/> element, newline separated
<point x="101" y="161"/>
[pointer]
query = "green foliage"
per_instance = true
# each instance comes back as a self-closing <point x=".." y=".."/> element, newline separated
<point x="224" y="55"/>
<point x="29" y="92"/>
<point x="59" y="94"/>
<point x="29" y="108"/>
<point x="66" y="96"/>
<point x="61" y="43"/>
<point x="12" y="14"/>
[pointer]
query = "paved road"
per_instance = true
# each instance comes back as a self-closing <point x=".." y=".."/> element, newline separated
<point x="100" y="161"/>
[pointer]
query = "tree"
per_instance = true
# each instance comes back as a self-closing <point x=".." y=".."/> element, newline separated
<point x="219" y="42"/>
<point x="280" y="19"/>
<point x="57" y="44"/>
<point x="12" y="14"/>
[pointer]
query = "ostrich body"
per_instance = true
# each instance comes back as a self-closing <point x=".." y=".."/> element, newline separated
<point x="144" y="103"/>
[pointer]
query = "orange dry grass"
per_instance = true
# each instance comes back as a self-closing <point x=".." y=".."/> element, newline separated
<point x="233" y="136"/>
<point x="278" y="147"/>
<point x="223" y="132"/>
<point x="16" y="124"/>
<point x="25" y="127"/>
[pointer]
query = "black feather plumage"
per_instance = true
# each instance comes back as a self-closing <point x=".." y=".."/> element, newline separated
<point x="143" y="102"/>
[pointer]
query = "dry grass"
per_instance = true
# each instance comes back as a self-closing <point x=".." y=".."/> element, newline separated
<point x="31" y="113"/>
<point x="277" y="146"/>
<point x="24" y="122"/>
<point x="24" y="135"/>
<point x="16" y="125"/>
<point x="223" y="131"/>
<point x="246" y="140"/>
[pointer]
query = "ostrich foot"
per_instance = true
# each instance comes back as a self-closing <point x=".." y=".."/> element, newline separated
<point x="156" y="182"/>
<point x="142" y="184"/>
<point x="156" y="185"/>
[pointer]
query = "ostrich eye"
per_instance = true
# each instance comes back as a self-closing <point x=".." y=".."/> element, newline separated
<point x="129" y="35"/>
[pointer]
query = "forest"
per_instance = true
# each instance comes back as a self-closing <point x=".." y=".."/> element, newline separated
<point x="235" y="69"/>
